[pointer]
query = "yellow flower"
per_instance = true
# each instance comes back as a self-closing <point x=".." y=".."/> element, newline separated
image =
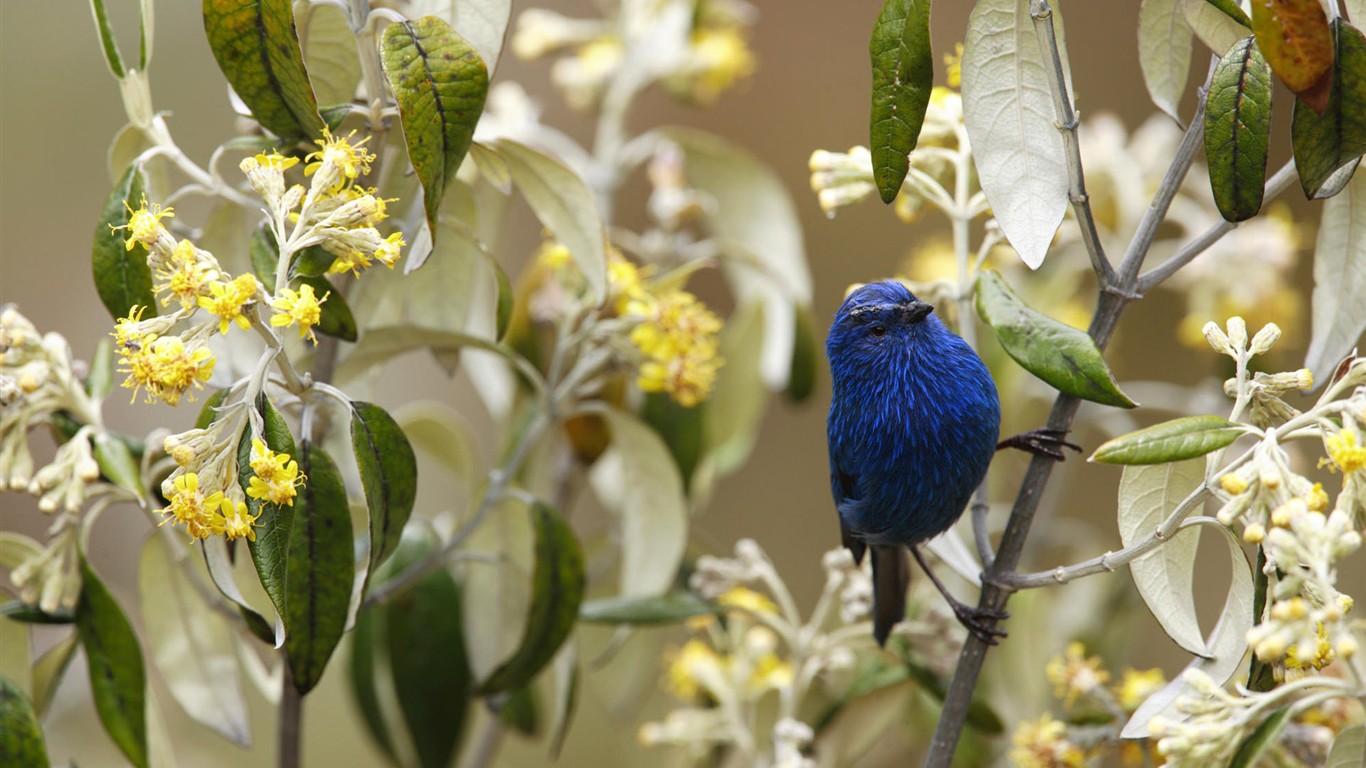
<point x="953" y="64"/>
<point x="1311" y="653"/>
<point x="1043" y="744"/>
<point x="1346" y="451"/>
<point x="1137" y="685"/>
<point x="185" y="275"/>
<point x="695" y="669"/>
<point x="721" y="58"/>
<point x="190" y="507"/>
<point x="166" y="367"/>
<point x="144" y="224"/>
<point x="678" y="341"/>
<point x="747" y="599"/>
<point x="1317" y="498"/>
<point x="352" y="261"/>
<point x="302" y="307"/>
<point x="276" y="477"/>
<point x="1075" y="675"/>
<point x="237" y="522"/>
<point x="1233" y="483"/>
<point x="338" y="162"/>
<point x="388" y="251"/>
<point x="554" y="255"/>
<point x="227" y="299"/>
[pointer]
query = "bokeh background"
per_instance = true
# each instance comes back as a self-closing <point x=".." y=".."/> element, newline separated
<point x="59" y="109"/>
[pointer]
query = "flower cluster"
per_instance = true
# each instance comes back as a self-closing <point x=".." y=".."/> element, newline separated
<point x="696" y="50"/>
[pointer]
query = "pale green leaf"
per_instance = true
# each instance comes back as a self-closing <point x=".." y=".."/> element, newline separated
<point x="638" y="480"/>
<point x="564" y="204"/>
<point x="1339" y="314"/>
<point x="1175" y="440"/>
<point x="1227" y="642"/>
<point x="1214" y="28"/>
<point x="1349" y="748"/>
<point x="16" y="655"/>
<point x="736" y="407"/>
<point x="108" y="44"/>
<point x="128" y="143"/>
<point x="1164" y="577"/>
<point x="437" y="430"/>
<point x="49" y="669"/>
<point x="755" y="224"/>
<point x="1164" y="53"/>
<point x="1011" y="122"/>
<point x="330" y="53"/>
<point x="860" y="723"/>
<point x="191" y="644"/>
<point x="565" y="669"/>
<point x="15" y="548"/>
<point x="496" y="599"/>
<point x="483" y="22"/>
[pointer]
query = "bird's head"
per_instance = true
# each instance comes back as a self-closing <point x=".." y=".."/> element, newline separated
<point x="879" y="317"/>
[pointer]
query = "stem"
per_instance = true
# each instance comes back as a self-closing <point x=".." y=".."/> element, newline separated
<point x="490" y="738"/>
<point x="1042" y="14"/>
<point x="291" y="714"/>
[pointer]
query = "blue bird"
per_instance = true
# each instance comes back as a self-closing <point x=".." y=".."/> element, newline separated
<point x="913" y="425"/>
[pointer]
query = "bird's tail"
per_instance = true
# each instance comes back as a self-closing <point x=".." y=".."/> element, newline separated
<point x="890" y="575"/>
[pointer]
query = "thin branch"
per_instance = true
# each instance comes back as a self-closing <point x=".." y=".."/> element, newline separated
<point x="291" y="717"/>
<point x="1153" y="277"/>
<point x="1042" y="14"/>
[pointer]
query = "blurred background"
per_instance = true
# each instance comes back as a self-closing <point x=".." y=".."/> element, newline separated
<point x="59" y="109"/>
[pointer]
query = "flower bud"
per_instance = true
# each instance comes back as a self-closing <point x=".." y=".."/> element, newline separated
<point x="1233" y="483"/>
<point x="1268" y="335"/>
<point x="1254" y="533"/>
<point x="1237" y="332"/>
<point x="1216" y="338"/>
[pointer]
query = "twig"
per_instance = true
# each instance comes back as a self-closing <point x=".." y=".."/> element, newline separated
<point x="291" y="716"/>
<point x="1042" y="14"/>
<point x="1153" y="277"/>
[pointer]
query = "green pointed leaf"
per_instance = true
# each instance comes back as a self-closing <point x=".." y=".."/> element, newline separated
<point x="1260" y="740"/>
<point x="336" y="318"/>
<point x="49" y="670"/>
<point x="108" y="44"/>
<point x="319" y="568"/>
<point x="257" y="48"/>
<point x="122" y="277"/>
<point x="903" y="74"/>
<point x="21" y="738"/>
<point x="312" y="262"/>
<point x="668" y="608"/>
<point x="1349" y="748"/>
<point x="440" y="83"/>
<point x="680" y="427"/>
<point x="1164" y="53"/>
<point x="18" y="610"/>
<point x="1325" y="142"/>
<point x="565" y="205"/>
<point x="806" y="352"/>
<point x="1294" y="37"/>
<point x="1237" y="126"/>
<point x="1148" y="494"/>
<point x="431" y="674"/>
<point x="520" y="712"/>
<point x="118" y="682"/>
<point x="388" y="471"/>
<point x="365" y="644"/>
<point x="557" y="590"/>
<point x="117" y="463"/>
<point x="1064" y="357"/>
<point x="1231" y="9"/>
<point x="209" y="411"/>
<point x="191" y="644"/>
<point x="1339" y="315"/>
<point x="1175" y="440"/>
<point x="274" y="524"/>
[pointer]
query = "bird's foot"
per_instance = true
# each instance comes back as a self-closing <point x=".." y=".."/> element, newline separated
<point x="981" y="622"/>
<point x="1040" y="442"/>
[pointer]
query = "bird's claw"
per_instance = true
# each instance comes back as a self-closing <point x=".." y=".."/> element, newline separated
<point x="981" y="622"/>
<point x="1040" y="442"/>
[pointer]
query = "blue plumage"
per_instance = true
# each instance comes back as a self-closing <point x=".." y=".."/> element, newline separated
<point x="914" y="421"/>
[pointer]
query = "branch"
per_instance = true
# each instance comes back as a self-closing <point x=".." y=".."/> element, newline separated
<point x="291" y="717"/>
<point x="1042" y="14"/>
<point x="1153" y="277"/>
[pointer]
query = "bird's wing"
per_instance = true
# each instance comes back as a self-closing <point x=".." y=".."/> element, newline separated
<point x="844" y="487"/>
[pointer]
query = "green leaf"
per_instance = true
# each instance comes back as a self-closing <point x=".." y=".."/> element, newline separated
<point x="1175" y="440"/>
<point x="638" y="480"/>
<point x="21" y="738"/>
<point x="754" y="223"/>
<point x="270" y="550"/>
<point x="388" y="471"/>
<point x="108" y="44"/>
<point x="319" y="568"/>
<point x="1012" y="124"/>
<point x="1215" y="27"/>
<point x="209" y="411"/>
<point x="1164" y="53"/>
<point x="557" y="591"/>
<point x="564" y="204"/>
<point x="503" y="312"/>
<point x="191" y="644"/>
<point x="1325" y="142"/>
<point x="736" y="408"/>
<point x="118" y="464"/>
<point x="16" y="652"/>
<point x="257" y="47"/>
<point x="1148" y="494"/>
<point x="519" y="711"/>
<point x="1260" y="740"/>
<point x="118" y="683"/>
<point x="431" y="674"/>
<point x="1339" y="315"/>
<point x="1237" y="126"/>
<point x="680" y="427"/>
<point x="1349" y="748"/>
<point x="18" y="610"/>
<point x="1064" y="357"/>
<point x="903" y="74"/>
<point x="101" y="376"/>
<point x="439" y="82"/>
<point x="220" y="568"/>
<point x="49" y="670"/>
<point x="122" y="278"/>
<point x="365" y="645"/>
<point x="1294" y="37"/>
<point x="806" y="352"/>
<point x="1231" y="9"/>
<point x="336" y="318"/>
<point x="668" y="608"/>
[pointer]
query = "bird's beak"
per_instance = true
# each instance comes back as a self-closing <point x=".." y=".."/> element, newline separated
<point x="917" y="310"/>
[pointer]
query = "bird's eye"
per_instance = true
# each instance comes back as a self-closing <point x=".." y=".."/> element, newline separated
<point x="878" y="331"/>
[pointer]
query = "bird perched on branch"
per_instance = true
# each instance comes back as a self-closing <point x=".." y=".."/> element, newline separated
<point x="914" y="420"/>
